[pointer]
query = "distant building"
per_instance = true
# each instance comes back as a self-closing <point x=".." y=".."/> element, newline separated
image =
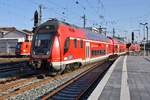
<point x="29" y="36"/>
<point x="10" y="36"/>
<point x="4" y="30"/>
<point x="7" y="29"/>
<point x="13" y="33"/>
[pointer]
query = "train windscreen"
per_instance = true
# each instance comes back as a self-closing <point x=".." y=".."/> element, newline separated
<point x="42" y="43"/>
<point x="18" y="48"/>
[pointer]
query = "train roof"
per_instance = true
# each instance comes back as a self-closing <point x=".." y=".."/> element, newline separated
<point x="88" y="33"/>
<point x="56" y="22"/>
<point x="118" y="41"/>
<point x="95" y="36"/>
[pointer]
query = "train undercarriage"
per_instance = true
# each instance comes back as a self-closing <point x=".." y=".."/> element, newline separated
<point x="51" y="69"/>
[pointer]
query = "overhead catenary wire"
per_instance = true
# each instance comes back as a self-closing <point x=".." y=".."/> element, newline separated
<point x="62" y="12"/>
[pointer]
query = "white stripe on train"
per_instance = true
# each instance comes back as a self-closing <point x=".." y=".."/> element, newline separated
<point x="91" y="60"/>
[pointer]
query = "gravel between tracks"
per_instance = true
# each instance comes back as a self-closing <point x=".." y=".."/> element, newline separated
<point x="49" y="86"/>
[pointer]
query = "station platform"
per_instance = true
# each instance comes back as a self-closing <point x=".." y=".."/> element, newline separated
<point x="127" y="79"/>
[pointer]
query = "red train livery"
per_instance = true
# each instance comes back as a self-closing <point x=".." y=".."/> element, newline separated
<point x="134" y="48"/>
<point x="23" y="49"/>
<point x="58" y="45"/>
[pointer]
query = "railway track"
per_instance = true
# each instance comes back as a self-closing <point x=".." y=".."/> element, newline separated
<point x="14" y="71"/>
<point x="5" y="67"/>
<point x="15" y="85"/>
<point x="38" y="87"/>
<point x="79" y="87"/>
<point x="12" y="63"/>
<point x="8" y="56"/>
<point x="33" y="87"/>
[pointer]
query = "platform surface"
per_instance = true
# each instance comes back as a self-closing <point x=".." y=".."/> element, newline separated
<point x="127" y="79"/>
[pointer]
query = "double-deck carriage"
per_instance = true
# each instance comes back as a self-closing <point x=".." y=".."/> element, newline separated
<point x="58" y="46"/>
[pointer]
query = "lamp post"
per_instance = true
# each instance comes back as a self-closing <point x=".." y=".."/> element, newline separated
<point x="144" y="24"/>
<point x="147" y="40"/>
<point x="147" y="33"/>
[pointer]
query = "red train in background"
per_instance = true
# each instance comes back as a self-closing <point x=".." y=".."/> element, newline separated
<point x="57" y="46"/>
<point x="134" y="48"/>
<point x="23" y="49"/>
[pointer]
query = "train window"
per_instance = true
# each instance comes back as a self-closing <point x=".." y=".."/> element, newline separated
<point x="66" y="46"/>
<point x="103" y="52"/>
<point x="98" y="52"/>
<point x="92" y="52"/>
<point x="75" y="43"/>
<point x="81" y="43"/>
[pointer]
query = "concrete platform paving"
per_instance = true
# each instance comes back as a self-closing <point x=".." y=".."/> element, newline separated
<point x="127" y="79"/>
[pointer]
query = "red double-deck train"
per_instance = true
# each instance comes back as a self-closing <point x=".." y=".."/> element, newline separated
<point x="58" y="45"/>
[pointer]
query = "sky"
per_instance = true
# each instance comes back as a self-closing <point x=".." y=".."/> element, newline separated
<point x="123" y="15"/>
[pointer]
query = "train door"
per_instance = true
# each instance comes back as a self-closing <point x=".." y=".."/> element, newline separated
<point x="87" y="55"/>
<point x="118" y="49"/>
<point x="107" y="50"/>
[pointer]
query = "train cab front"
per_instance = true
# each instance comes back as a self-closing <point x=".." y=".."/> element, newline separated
<point x="18" y="49"/>
<point x="42" y="44"/>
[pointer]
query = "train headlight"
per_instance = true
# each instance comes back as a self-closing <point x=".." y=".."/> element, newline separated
<point x="24" y="50"/>
<point x="47" y="52"/>
<point x="33" y="52"/>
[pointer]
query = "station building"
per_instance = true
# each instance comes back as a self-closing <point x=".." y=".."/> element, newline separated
<point x="10" y="36"/>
